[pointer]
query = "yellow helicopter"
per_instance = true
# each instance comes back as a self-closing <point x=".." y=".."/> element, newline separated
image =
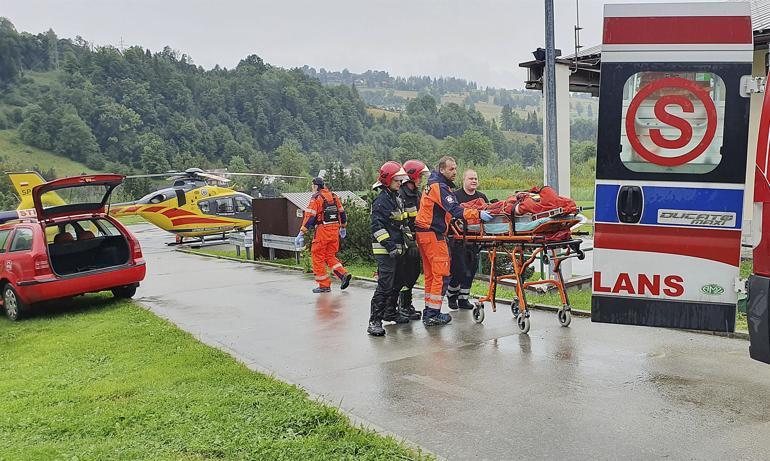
<point x="191" y="208"/>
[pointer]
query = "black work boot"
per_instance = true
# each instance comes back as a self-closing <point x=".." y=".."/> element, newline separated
<point x="452" y="300"/>
<point x="375" y="328"/>
<point x="406" y="307"/>
<point x="346" y="278"/>
<point x="392" y="313"/>
<point x="464" y="304"/>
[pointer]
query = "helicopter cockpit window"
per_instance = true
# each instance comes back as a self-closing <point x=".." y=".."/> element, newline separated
<point x="242" y="205"/>
<point x="158" y="199"/>
<point x="204" y="206"/>
<point x="224" y="205"/>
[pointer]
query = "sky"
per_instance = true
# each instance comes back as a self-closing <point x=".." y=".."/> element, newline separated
<point x="479" y="40"/>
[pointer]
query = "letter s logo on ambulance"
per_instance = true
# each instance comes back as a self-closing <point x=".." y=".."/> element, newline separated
<point x="680" y="87"/>
<point x="670" y="285"/>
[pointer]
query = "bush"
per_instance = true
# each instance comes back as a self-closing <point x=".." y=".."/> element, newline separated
<point x="358" y="244"/>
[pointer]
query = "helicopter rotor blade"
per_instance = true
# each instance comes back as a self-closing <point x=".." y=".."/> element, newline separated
<point x="267" y="175"/>
<point x="212" y="176"/>
<point x="154" y="175"/>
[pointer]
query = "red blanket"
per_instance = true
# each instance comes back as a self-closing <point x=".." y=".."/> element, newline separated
<point x="533" y="201"/>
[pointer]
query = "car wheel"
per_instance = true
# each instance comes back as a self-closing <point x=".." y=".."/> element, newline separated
<point x="14" y="306"/>
<point x="124" y="292"/>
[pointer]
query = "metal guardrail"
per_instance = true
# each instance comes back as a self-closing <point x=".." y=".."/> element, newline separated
<point x="241" y="240"/>
<point x="280" y="242"/>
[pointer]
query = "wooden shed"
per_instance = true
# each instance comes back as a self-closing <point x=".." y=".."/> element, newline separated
<point x="283" y="215"/>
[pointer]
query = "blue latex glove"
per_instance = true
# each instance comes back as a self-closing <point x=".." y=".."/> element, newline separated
<point x="299" y="242"/>
<point x="485" y="216"/>
<point x="343" y="232"/>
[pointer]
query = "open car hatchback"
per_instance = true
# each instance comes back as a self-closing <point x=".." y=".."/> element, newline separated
<point x="73" y="247"/>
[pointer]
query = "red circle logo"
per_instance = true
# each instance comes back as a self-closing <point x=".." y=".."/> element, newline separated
<point x="683" y="125"/>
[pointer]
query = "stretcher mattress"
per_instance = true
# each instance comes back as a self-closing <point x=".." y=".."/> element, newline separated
<point x="500" y="225"/>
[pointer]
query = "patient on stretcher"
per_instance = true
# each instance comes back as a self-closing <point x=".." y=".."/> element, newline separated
<point x="530" y="211"/>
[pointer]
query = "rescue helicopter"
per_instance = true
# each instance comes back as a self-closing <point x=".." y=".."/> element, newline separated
<point x="195" y="206"/>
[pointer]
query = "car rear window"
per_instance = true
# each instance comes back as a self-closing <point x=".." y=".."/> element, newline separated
<point x="82" y="230"/>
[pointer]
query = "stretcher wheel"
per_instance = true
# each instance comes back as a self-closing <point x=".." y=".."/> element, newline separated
<point x="478" y="313"/>
<point x="565" y="317"/>
<point x="523" y="321"/>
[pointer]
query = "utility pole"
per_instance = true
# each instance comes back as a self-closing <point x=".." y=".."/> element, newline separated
<point x="552" y="165"/>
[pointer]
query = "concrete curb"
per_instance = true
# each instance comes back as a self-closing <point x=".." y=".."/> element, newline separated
<point x="540" y="307"/>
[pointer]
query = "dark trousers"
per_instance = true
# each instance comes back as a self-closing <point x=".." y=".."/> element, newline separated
<point x="463" y="268"/>
<point x="409" y="269"/>
<point x="386" y="293"/>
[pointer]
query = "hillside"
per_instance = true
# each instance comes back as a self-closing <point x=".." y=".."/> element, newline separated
<point x="19" y="156"/>
<point x="138" y="110"/>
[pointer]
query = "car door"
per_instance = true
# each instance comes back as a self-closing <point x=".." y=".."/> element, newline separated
<point x="671" y="163"/>
<point x="4" y="234"/>
<point x="19" y="263"/>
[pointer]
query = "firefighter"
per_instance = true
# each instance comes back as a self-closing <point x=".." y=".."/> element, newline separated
<point x="438" y="205"/>
<point x="326" y="213"/>
<point x="387" y="245"/>
<point x="409" y="263"/>
<point x="465" y="257"/>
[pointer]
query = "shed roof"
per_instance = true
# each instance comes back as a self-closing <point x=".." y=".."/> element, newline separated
<point x="301" y="199"/>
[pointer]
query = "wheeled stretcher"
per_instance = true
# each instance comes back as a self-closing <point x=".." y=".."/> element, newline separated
<point x="525" y="239"/>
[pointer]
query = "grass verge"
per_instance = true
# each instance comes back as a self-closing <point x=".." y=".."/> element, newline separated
<point x="100" y="379"/>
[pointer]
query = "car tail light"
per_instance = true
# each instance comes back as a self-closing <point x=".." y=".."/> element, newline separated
<point x="137" y="250"/>
<point x="42" y="267"/>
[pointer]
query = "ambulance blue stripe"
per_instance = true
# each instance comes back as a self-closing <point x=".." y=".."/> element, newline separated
<point x="672" y="198"/>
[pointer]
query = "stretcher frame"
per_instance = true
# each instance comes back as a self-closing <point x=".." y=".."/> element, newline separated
<point x="524" y="248"/>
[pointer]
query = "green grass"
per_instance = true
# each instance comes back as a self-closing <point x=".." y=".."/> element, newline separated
<point x="131" y="220"/>
<point x="377" y="113"/>
<point x="27" y="157"/>
<point x="102" y="379"/>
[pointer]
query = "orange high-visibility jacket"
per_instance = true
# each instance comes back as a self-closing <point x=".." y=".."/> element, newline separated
<point x="438" y="206"/>
<point x="321" y="206"/>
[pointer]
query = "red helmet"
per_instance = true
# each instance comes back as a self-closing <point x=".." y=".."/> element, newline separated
<point x="415" y="169"/>
<point x="388" y="172"/>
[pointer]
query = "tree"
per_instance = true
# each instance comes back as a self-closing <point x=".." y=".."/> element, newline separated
<point x="415" y="146"/>
<point x="76" y="141"/>
<point x="472" y="147"/>
<point x="506" y="118"/>
<point x="290" y="159"/>
<point x="10" y="56"/>
<point x="155" y="153"/>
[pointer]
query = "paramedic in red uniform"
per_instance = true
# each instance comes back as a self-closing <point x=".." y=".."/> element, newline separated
<point x="438" y="206"/>
<point x="465" y="258"/>
<point x="325" y="212"/>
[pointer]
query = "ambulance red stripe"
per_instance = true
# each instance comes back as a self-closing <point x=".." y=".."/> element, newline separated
<point x="677" y="30"/>
<point x="719" y="245"/>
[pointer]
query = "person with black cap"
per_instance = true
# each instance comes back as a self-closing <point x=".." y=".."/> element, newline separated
<point x="326" y="214"/>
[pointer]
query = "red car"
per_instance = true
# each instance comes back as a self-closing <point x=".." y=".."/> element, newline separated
<point x="72" y="247"/>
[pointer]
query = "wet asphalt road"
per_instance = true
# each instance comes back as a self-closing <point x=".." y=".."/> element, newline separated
<point x="467" y="391"/>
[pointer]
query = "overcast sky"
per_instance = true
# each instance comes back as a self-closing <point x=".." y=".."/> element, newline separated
<point x="480" y="40"/>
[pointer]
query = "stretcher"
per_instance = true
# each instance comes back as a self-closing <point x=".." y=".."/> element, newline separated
<point x="524" y="239"/>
